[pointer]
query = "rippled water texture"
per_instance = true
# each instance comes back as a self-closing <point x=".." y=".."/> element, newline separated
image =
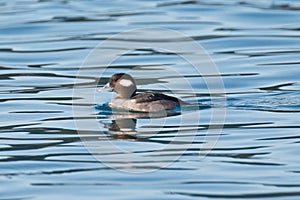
<point x="256" y="47"/>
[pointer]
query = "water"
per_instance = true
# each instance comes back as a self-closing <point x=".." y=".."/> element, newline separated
<point x="256" y="48"/>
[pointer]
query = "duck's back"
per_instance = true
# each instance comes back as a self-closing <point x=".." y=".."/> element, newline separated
<point x="150" y="97"/>
<point x="149" y="102"/>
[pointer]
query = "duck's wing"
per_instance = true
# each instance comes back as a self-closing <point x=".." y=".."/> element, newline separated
<point x="150" y="97"/>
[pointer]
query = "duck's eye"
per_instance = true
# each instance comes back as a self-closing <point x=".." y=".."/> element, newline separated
<point x="126" y="83"/>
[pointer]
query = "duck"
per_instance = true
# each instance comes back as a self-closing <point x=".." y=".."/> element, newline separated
<point x="127" y="97"/>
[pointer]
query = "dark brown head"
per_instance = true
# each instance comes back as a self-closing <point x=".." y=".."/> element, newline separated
<point x="123" y="84"/>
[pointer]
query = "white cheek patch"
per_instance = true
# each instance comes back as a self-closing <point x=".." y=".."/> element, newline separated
<point x="126" y="83"/>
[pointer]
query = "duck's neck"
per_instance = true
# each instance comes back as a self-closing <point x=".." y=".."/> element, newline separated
<point x="126" y="94"/>
<point x="133" y="94"/>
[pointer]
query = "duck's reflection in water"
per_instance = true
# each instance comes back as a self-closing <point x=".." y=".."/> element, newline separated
<point x="123" y="125"/>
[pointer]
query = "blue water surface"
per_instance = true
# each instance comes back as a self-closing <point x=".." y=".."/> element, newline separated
<point x="44" y="155"/>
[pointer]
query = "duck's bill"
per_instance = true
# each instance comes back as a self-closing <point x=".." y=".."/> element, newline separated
<point x="105" y="88"/>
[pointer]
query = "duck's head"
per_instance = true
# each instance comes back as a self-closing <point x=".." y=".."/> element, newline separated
<point x="123" y="84"/>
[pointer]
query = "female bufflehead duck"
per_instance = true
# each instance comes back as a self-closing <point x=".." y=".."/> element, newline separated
<point x="127" y="98"/>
